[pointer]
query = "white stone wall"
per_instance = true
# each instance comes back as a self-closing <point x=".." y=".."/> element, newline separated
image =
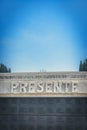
<point x="52" y="83"/>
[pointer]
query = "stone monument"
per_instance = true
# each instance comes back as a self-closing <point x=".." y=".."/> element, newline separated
<point x="43" y="84"/>
<point x="43" y="101"/>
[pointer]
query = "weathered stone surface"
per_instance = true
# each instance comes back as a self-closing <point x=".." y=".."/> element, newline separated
<point x="43" y="84"/>
<point x="43" y="113"/>
<point x="43" y="101"/>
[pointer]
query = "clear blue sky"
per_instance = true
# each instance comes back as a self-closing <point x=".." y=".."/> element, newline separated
<point x="43" y="34"/>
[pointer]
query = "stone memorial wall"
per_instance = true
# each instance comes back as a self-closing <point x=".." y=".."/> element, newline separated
<point x="43" y="101"/>
<point x="43" y="84"/>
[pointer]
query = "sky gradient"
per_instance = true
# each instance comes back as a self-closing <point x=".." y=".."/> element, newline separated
<point x="43" y="35"/>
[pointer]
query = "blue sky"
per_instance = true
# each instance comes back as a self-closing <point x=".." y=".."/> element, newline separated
<point x="44" y="35"/>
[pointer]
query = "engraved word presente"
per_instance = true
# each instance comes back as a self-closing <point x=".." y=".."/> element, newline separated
<point x="44" y="87"/>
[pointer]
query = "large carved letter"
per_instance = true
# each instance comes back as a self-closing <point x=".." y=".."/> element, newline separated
<point x="75" y="86"/>
<point x="40" y="87"/>
<point x="32" y="87"/>
<point x="63" y="87"/>
<point x="14" y="87"/>
<point x="49" y="87"/>
<point x="69" y="87"/>
<point x="23" y="87"/>
<point x="57" y="87"/>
